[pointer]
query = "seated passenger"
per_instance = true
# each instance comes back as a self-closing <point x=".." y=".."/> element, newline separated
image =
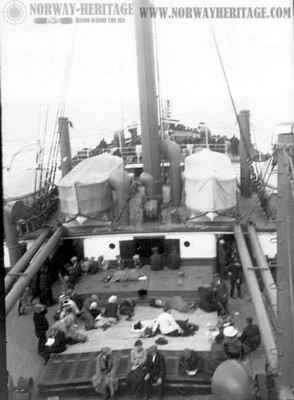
<point x="232" y="344"/>
<point x="137" y="372"/>
<point x="90" y="312"/>
<point x="155" y="373"/>
<point x="56" y="342"/>
<point x="68" y="326"/>
<point x="156" y="260"/>
<point x="209" y="302"/>
<point x="250" y="337"/>
<point x="110" y="314"/>
<point x="167" y="324"/>
<point x="105" y="381"/>
<point x="127" y="307"/>
<point x="190" y="363"/>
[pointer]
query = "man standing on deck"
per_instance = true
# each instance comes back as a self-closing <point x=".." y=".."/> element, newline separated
<point x="41" y="326"/>
<point x="235" y="274"/>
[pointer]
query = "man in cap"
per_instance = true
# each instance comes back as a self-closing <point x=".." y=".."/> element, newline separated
<point x="155" y="373"/>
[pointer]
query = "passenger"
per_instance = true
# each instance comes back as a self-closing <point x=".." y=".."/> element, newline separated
<point x="136" y="261"/>
<point x="56" y="342"/>
<point x="156" y="260"/>
<point x="218" y="354"/>
<point x="232" y="344"/>
<point x="137" y="372"/>
<point x="41" y="326"/>
<point x="46" y="296"/>
<point x="173" y="259"/>
<point x="155" y="373"/>
<point x="190" y="363"/>
<point x="76" y="267"/>
<point x="250" y="337"/>
<point x="68" y="301"/>
<point x="167" y="324"/>
<point x="235" y="273"/>
<point x="105" y="381"/>
<point x="68" y="325"/>
<point x="86" y="314"/>
<point x="127" y="307"/>
<point x="221" y="292"/>
<point x="110" y="314"/>
<point x="25" y="301"/>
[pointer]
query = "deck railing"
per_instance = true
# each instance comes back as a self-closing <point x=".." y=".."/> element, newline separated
<point x="133" y="154"/>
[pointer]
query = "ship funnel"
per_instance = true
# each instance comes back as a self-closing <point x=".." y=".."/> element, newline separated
<point x="148" y="98"/>
<point x="64" y="143"/>
<point x="171" y="151"/>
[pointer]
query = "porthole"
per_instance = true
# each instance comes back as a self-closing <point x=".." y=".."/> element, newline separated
<point x="112" y="246"/>
<point x="187" y="243"/>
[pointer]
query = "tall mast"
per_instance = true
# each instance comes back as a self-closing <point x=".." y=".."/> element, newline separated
<point x="285" y="266"/>
<point x="147" y="96"/>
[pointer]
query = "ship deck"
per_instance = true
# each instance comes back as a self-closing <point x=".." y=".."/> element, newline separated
<point x="165" y="283"/>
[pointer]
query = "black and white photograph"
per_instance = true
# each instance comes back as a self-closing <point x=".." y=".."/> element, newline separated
<point x="147" y="200"/>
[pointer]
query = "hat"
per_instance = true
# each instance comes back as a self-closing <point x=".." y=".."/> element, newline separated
<point x="112" y="299"/>
<point x="230" y="331"/>
<point x="161" y="341"/>
<point x="74" y="258"/>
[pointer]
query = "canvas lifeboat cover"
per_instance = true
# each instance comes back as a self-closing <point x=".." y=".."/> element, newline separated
<point x="85" y="190"/>
<point x="210" y="182"/>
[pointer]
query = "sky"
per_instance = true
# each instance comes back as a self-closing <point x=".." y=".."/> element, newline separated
<point x="92" y="69"/>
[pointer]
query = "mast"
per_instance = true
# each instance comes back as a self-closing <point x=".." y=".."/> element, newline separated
<point x="3" y="341"/>
<point x="285" y="266"/>
<point x="147" y="97"/>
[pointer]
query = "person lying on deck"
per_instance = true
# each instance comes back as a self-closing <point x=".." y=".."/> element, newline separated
<point x="190" y="363"/>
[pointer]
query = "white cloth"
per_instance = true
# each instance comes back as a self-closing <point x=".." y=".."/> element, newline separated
<point x="167" y="323"/>
<point x="147" y="323"/>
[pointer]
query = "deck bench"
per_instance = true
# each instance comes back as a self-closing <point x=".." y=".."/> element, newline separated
<point x="65" y="373"/>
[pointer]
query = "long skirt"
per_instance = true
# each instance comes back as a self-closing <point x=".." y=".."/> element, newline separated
<point x="136" y="379"/>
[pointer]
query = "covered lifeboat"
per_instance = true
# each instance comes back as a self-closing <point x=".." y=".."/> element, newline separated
<point x="95" y="185"/>
<point x="210" y="182"/>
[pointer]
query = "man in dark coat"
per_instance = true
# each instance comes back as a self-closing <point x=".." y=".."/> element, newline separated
<point x="190" y="363"/>
<point x="250" y="337"/>
<point x="236" y="278"/>
<point x="41" y="326"/>
<point x="46" y="296"/>
<point x="156" y="260"/>
<point x="155" y="373"/>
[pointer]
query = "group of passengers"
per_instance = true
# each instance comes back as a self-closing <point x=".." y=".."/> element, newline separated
<point x="147" y="369"/>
